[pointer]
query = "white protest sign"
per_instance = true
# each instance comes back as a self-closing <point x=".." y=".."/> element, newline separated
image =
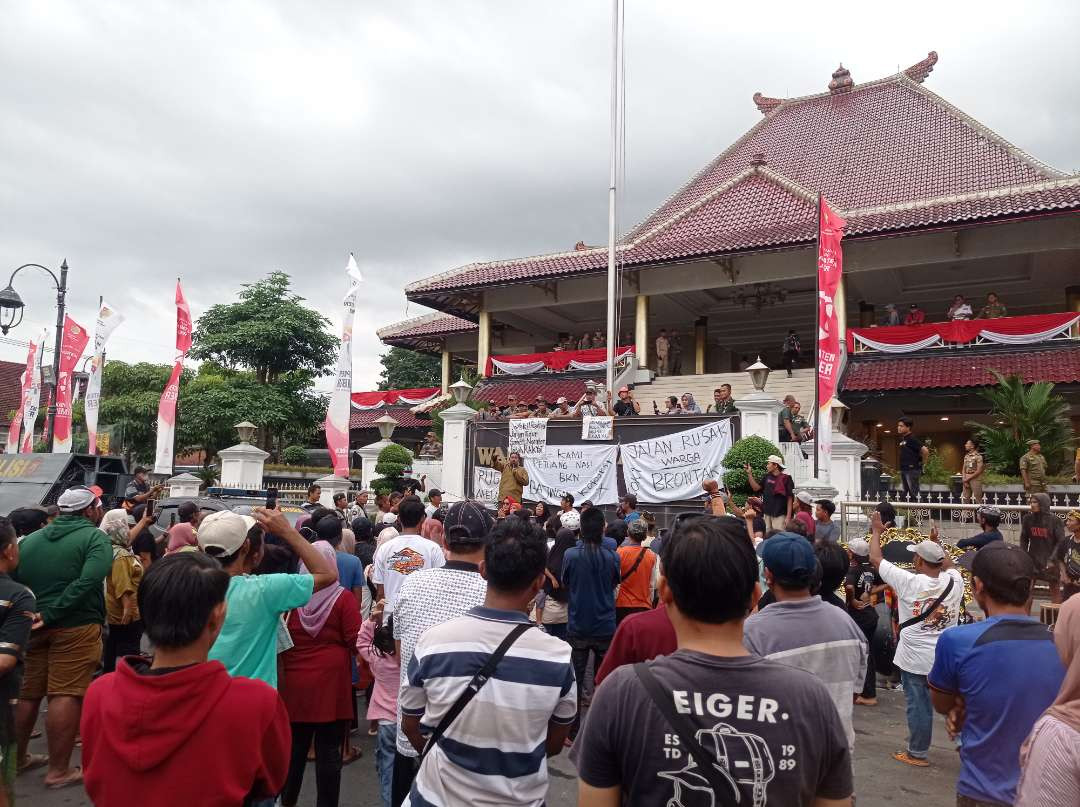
<point x="587" y="472"/>
<point x="528" y="436"/>
<point x="597" y="427"/>
<point x="486" y="484"/>
<point x="672" y="468"/>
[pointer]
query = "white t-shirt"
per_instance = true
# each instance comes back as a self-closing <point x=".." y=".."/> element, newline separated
<point x="398" y="558"/>
<point x="916" y="592"/>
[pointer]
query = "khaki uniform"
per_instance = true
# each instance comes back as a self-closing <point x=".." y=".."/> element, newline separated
<point x="1035" y="465"/>
<point x="973" y="488"/>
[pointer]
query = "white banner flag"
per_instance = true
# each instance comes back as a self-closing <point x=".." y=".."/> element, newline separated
<point x="587" y="472"/>
<point x="672" y="468"/>
<point x="108" y="320"/>
<point x="338" y="411"/>
<point x="486" y="485"/>
<point x="32" y="398"/>
<point x="528" y="436"/>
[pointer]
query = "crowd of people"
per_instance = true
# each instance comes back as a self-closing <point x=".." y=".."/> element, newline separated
<point x="729" y="653"/>
<point x="959" y="308"/>
<point x="593" y="401"/>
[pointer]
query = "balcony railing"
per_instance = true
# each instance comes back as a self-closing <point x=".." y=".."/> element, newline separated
<point x="558" y="361"/>
<point x="961" y="334"/>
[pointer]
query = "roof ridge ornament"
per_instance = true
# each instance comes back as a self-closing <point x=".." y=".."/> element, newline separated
<point x="765" y="104"/>
<point x="841" y="80"/>
<point x="920" y="70"/>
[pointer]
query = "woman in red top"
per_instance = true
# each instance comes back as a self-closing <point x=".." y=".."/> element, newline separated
<point x="316" y="685"/>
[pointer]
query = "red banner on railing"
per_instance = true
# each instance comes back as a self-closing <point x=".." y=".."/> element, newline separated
<point x="1028" y="330"/>
<point x="557" y="361"/>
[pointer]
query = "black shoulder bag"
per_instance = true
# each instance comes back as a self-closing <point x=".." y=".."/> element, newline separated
<point x="915" y="620"/>
<point x="474" y="686"/>
<point x="723" y="786"/>
<point x="632" y="569"/>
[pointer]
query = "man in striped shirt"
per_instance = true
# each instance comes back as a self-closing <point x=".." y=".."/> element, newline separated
<point x="495" y="751"/>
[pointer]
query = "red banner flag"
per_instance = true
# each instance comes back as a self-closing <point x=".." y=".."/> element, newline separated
<point x="830" y="268"/>
<point x="72" y="344"/>
<point x="166" y="421"/>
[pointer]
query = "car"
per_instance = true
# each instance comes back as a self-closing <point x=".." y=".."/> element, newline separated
<point x="165" y="509"/>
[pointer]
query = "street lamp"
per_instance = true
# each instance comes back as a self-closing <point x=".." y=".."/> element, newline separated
<point x="386" y="426"/>
<point x="759" y="374"/>
<point x="12" y="306"/>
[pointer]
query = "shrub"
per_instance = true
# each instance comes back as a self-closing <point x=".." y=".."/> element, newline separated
<point x="393" y="461"/>
<point x="294" y="455"/>
<point x="754" y="450"/>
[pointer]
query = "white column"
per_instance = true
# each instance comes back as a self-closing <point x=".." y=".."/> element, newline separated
<point x="446" y="360"/>
<point x="185" y="486"/>
<point x="369" y="456"/>
<point x="483" y="342"/>
<point x="331" y="485"/>
<point x="455" y="424"/>
<point x="242" y="466"/>
<point x="845" y="480"/>
<point x="760" y="413"/>
<point x="641" y="329"/>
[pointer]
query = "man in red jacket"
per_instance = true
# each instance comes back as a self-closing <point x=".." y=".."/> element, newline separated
<point x="180" y="731"/>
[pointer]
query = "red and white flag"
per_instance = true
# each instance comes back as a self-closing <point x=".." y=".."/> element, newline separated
<point x="166" y="420"/>
<point x="72" y="344"/>
<point x="31" y="400"/>
<point x="108" y="320"/>
<point x="338" y="410"/>
<point x="830" y="267"/>
<point x="14" y="439"/>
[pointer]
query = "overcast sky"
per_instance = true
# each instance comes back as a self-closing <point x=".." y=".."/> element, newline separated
<point x="219" y="141"/>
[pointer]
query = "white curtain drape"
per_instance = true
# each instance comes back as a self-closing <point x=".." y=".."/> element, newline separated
<point x="886" y="347"/>
<point x="1028" y="338"/>
<point x="524" y="368"/>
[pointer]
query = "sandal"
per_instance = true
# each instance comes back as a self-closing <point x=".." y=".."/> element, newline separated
<point x="31" y="761"/>
<point x="351" y="754"/>
<point x="908" y="759"/>
<point x="75" y="777"/>
<point x="861" y="701"/>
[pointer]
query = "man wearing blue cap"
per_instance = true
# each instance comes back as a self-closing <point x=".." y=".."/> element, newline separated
<point x="803" y="631"/>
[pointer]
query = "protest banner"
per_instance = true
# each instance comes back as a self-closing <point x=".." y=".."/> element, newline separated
<point x="672" y="468"/>
<point x="72" y="343"/>
<point x="166" y="420"/>
<point x="528" y="436"/>
<point x="338" y="411"/>
<point x="597" y="427"/>
<point x="486" y="484"/>
<point x="108" y="320"/>
<point x="587" y="472"/>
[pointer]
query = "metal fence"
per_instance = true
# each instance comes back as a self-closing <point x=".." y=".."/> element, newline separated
<point x="953" y="520"/>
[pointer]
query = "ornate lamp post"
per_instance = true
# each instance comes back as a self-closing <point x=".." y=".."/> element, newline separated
<point x="759" y="374"/>
<point x="386" y="426"/>
<point x="12" y="309"/>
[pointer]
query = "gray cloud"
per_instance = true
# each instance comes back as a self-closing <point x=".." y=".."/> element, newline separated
<point x="215" y="142"/>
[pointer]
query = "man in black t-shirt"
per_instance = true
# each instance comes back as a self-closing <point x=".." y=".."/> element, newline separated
<point x="777" y="492"/>
<point x="864" y="587"/>
<point x="769" y="733"/>
<point x="17" y="608"/>
<point x="912" y="456"/>
<point x="626" y="406"/>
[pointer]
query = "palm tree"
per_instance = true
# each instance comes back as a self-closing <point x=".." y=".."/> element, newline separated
<point x="1021" y="413"/>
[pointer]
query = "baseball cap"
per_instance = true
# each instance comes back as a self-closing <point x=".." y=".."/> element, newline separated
<point x="140" y="469"/>
<point x="434" y="492"/>
<point x="561" y="400"/>
<point x="776" y="459"/>
<point x="224" y="530"/>
<point x="75" y="500"/>
<point x="1032" y="442"/>
<point x="804" y="497"/>
<point x="389" y="518"/>
<point x="97" y="491"/>
<point x="789" y="556"/>
<point x="570" y="520"/>
<point x="468" y="522"/>
<point x="859" y="546"/>
<point x="928" y="551"/>
<point x="624" y="389"/>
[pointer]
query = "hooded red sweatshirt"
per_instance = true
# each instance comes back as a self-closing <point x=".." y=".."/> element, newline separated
<point x="192" y="737"/>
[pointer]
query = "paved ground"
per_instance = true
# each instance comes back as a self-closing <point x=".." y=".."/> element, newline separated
<point x="879" y="780"/>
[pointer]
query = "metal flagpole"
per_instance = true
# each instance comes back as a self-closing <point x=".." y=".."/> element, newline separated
<point x="817" y="334"/>
<point x="616" y="65"/>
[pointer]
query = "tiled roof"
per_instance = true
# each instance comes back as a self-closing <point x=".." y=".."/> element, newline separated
<point x="365" y="418"/>
<point x="527" y="390"/>
<point x="10" y="389"/>
<point x="424" y="332"/>
<point x="969" y="368"/>
<point x="888" y="155"/>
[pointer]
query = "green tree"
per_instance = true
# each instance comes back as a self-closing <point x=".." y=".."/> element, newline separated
<point x="409" y="369"/>
<point x="129" y="402"/>
<point x="754" y="450"/>
<point x="1020" y="413"/>
<point x="392" y="463"/>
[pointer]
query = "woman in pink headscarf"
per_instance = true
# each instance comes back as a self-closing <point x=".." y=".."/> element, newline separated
<point x="316" y="684"/>
<point x="1050" y="757"/>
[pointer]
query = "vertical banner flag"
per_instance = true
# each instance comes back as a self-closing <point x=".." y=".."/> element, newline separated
<point x="31" y="404"/>
<point x="72" y="343"/>
<point x="107" y="321"/>
<point x="14" y="437"/>
<point x="830" y="267"/>
<point x="166" y="418"/>
<point x="338" y="410"/>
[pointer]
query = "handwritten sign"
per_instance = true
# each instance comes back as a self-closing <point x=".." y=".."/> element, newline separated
<point x="672" y="468"/>
<point x="587" y="472"/>
<point x="486" y="484"/>
<point x="597" y="427"/>
<point x="528" y="436"/>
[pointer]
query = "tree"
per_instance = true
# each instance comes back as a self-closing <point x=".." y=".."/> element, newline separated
<point x="391" y="465"/>
<point x="409" y="369"/>
<point x="129" y="402"/>
<point x="754" y="450"/>
<point x="1020" y="413"/>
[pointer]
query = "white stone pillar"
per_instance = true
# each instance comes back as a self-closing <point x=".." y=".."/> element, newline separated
<point x="242" y="466"/>
<point x="845" y="471"/>
<point x="331" y="485"/>
<point x="483" y="342"/>
<point x="369" y="456"/>
<point x="184" y="486"/>
<point x="641" y="329"/>
<point x="455" y="424"/>
<point x="446" y="361"/>
<point x="760" y="415"/>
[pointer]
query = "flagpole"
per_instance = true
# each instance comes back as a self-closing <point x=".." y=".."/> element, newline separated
<point x="817" y="334"/>
<point x="616" y="62"/>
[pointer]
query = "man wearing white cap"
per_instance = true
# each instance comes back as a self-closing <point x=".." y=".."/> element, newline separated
<point x="65" y="564"/>
<point x="247" y="644"/>
<point x="777" y="492"/>
<point x="929" y="602"/>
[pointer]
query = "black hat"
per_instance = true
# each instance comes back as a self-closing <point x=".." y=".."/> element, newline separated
<point x="468" y="522"/>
